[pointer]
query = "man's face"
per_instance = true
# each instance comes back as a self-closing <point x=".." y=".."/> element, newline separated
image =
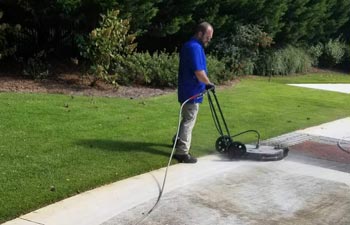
<point x="207" y="36"/>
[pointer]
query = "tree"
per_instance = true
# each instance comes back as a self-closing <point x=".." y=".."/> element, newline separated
<point x="139" y="12"/>
<point x="338" y="18"/>
<point x="52" y="25"/>
<point x="311" y="21"/>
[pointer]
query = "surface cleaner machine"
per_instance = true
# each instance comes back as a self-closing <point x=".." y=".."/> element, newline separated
<point x="227" y="145"/>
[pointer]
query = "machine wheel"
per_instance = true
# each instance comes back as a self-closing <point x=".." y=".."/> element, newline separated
<point x="222" y="143"/>
<point x="236" y="150"/>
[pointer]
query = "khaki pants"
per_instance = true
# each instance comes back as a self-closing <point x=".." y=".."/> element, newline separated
<point x="189" y="116"/>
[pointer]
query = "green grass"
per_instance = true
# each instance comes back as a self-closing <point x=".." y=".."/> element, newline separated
<point x="55" y="146"/>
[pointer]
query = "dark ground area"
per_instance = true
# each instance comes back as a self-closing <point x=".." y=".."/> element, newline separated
<point x="67" y="79"/>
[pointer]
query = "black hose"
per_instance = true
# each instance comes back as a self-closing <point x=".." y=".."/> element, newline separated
<point x="340" y="145"/>
<point x="170" y="158"/>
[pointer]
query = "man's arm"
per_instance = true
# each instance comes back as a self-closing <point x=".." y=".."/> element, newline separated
<point x="202" y="76"/>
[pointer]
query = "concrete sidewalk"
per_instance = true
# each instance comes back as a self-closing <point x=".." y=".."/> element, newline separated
<point x="343" y="88"/>
<point x="310" y="186"/>
<point x="296" y="190"/>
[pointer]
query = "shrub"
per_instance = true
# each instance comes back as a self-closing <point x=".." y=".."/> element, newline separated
<point x="217" y="70"/>
<point x="156" y="70"/>
<point x="333" y="52"/>
<point x="106" y="45"/>
<point x="284" y="61"/>
<point x="241" y="49"/>
<point x="315" y="52"/>
<point x="160" y="69"/>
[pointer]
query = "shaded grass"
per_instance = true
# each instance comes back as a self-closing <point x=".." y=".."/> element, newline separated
<point x="55" y="146"/>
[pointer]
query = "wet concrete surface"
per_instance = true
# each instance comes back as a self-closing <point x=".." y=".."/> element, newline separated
<point x="310" y="186"/>
<point x="258" y="193"/>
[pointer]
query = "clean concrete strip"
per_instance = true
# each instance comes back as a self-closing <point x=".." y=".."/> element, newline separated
<point x="316" y="172"/>
<point x="339" y="129"/>
<point x="343" y="88"/>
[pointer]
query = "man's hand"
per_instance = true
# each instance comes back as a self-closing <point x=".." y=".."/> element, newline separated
<point x="210" y="86"/>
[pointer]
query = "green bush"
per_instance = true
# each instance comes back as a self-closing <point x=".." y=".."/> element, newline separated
<point x="289" y="60"/>
<point x="315" y="52"/>
<point x="241" y="49"/>
<point x="106" y="45"/>
<point x="160" y="69"/>
<point x="157" y="70"/>
<point x="217" y="71"/>
<point x="333" y="52"/>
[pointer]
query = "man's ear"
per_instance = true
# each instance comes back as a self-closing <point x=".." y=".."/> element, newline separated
<point x="200" y="34"/>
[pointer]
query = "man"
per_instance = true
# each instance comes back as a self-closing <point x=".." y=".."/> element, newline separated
<point x="192" y="80"/>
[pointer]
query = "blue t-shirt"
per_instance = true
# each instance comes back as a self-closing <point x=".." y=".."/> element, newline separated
<point x="192" y="58"/>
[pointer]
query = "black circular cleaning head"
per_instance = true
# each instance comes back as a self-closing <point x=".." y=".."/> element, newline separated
<point x="236" y="150"/>
<point x="222" y="143"/>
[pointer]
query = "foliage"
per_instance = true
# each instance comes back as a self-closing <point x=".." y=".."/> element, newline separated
<point x="338" y="12"/>
<point x="54" y="26"/>
<point x="176" y="20"/>
<point x="140" y="13"/>
<point x="160" y="69"/>
<point x="107" y="44"/>
<point x="172" y="16"/>
<point x="289" y="60"/>
<point x="267" y="14"/>
<point x="45" y="22"/>
<point x="311" y="21"/>
<point x="42" y="26"/>
<point x="344" y="31"/>
<point x="286" y="21"/>
<point x="315" y="52"/>
<point x="217" y="71"/>
<point x="7" y="34"/>
<point x="333" y="52"/>
<point x="36" y="67"/>
<point x="346" y="62"/>
<point x="157" y="70"/>
<point x="241" y="49"/>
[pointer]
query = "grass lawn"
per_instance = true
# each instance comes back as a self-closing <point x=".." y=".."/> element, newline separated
<point x="55" y="146"/>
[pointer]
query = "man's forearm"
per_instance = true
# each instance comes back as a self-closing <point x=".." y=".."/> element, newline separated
<point x="202" y="76"/>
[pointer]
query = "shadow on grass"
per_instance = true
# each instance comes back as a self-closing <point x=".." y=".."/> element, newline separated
<point x="126" y="146"/>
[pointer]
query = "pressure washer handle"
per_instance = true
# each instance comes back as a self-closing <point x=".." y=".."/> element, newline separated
<point x="210" y="87"/>
<point x="218" y="117"/>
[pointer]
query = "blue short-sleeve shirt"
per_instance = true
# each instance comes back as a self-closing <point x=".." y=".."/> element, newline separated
<point x="192" y="58"/>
